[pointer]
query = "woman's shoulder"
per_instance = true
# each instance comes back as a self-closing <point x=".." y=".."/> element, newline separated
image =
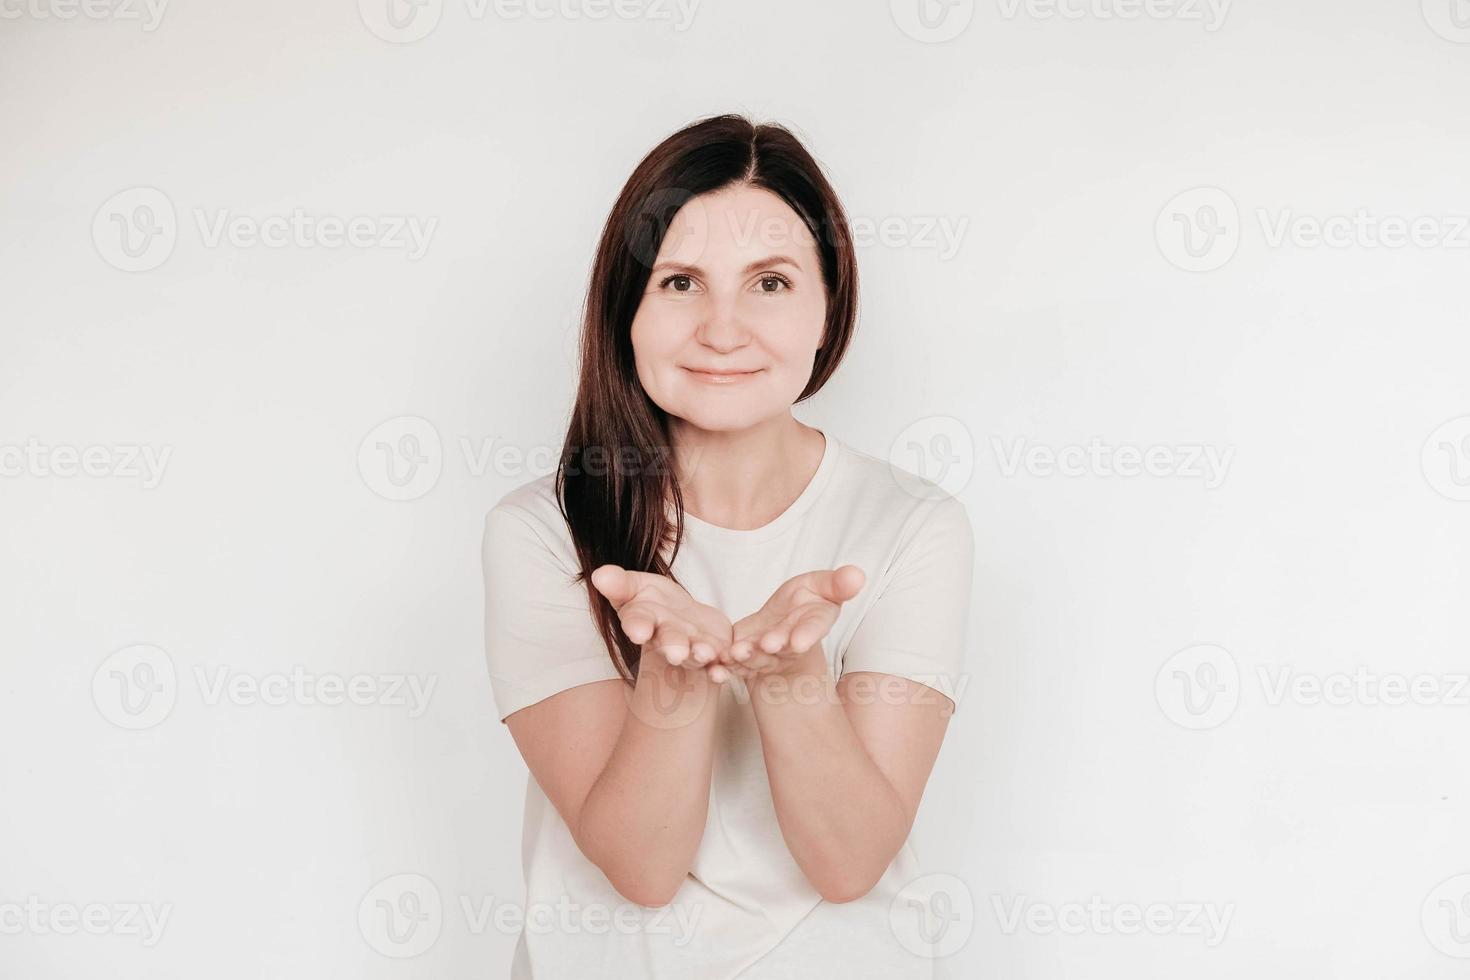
<point x="530" y="515"/>
<point x="884" y="489"/>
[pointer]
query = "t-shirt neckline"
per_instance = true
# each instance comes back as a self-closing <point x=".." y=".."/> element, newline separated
<point x="804" y="500"/>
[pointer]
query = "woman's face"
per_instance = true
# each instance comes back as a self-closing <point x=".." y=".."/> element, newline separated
<point x="729" y="325"/>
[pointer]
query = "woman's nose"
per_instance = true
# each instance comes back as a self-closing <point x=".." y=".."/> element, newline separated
<point x="721" y="327"/>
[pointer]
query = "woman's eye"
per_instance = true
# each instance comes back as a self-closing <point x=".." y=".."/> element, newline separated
<point x="681" y="284"/>
<point x="774" y="284"/>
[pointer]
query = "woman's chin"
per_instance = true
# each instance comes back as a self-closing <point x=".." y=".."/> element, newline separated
<point x="721" y="418"/>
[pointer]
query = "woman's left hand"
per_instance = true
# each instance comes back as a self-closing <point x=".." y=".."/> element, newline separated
<point x="797" y="617"/>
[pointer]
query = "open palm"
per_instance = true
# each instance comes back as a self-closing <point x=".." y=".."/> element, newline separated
<point x="796" y="617"/>
<point x="657" y="613"/>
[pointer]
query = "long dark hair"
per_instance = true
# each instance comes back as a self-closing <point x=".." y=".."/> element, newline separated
<point x="616" y="478"/>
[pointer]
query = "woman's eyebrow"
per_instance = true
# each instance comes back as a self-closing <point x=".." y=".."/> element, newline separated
<point x="694" y="270"/>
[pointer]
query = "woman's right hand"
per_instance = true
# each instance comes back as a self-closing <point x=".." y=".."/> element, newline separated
<point x="656" y="613"/>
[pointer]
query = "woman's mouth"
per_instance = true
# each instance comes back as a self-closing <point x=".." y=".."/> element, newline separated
<point x="721" y="377"/>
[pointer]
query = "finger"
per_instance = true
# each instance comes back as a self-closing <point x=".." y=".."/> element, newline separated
<point x="759" y="663"/>
<point x="672" y="641"/>
<point x="645" y="616"/>
<point x="620" y="585"/>
<point x="701" y="651"/>
<point x="812" y="624"/>
<point x="639" y="621"/>
<point x="838" y="584"/>
<point x="706" y="648"/>
<point x="616" y="584"/>
<point x="718" y="674"/>
<point x="774" y="639"/>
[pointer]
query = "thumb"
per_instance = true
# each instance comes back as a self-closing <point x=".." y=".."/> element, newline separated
<point x="841" y="584"/>
<point x="615" y="583"/>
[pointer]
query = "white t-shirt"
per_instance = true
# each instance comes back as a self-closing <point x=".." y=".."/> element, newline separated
<point x="745" y="909"/>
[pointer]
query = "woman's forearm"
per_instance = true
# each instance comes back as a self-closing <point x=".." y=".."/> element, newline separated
<point x="645" y="815"/>
<point x="842" y="820"/>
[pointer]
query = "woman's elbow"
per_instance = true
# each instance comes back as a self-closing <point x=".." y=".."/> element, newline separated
<point x="840" y="889"/>
<point x="648" y="894"/>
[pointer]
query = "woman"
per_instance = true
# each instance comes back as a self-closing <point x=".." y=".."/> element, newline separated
<point x="719" y="637"/>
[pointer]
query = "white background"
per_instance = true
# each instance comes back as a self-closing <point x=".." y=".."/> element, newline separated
<point x="1080" y="767"/>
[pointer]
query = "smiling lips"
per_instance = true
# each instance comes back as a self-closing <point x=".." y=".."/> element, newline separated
<point x="720" y="377"/>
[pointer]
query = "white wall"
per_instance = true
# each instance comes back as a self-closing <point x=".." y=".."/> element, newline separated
<point x="1330" y="539"/>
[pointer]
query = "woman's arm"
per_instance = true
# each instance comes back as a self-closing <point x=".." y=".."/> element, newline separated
<point x="629" y="775"/>
<point x="846" y="773"/>
<point x="629" y="771"/>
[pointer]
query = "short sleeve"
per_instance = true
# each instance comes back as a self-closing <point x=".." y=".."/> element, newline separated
<point x="916" y="626"/>
<point x="540" y="636"/>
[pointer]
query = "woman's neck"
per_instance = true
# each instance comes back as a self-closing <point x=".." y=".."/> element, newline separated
<point x="746" y="478"/>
